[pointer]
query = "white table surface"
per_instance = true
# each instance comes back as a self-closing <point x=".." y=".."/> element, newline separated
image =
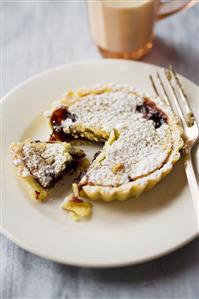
<point x="37" y="35"/>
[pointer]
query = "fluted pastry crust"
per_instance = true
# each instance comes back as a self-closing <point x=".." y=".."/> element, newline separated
<point x="141" y="135"/>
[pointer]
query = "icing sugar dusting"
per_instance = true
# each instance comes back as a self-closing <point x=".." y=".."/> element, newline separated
<point x="140" y="148"/>
<point x="45" y="161"/>
<point x="140" y="152"/>
<point x="106" y="111"/>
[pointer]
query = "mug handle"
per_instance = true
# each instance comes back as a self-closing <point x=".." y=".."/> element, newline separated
<point x="165" y="9"/>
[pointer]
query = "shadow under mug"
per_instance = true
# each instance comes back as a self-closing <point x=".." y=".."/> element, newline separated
<point x="124" y="28"/>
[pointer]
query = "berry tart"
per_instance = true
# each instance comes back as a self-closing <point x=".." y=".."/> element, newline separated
<point x="140" y="134"/>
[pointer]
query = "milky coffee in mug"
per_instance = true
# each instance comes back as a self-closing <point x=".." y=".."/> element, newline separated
<point x="124" y="28"/>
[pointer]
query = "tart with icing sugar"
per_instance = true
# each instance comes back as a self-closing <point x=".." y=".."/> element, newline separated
<point x="141" y="136"/>
<point x="43" y="164"/>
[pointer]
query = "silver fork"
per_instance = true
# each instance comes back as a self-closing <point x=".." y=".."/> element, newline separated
<point x="169" y="88"/>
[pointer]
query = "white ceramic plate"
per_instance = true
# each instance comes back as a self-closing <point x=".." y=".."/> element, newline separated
<point x="119" y="233"/>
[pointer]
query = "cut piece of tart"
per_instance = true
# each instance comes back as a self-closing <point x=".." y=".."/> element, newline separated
<point x="42" y="164"/>
<point x="141" y="135"/>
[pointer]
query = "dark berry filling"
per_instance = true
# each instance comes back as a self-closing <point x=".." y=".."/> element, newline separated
<point x="80" y="176"/>
<point x="37" y="194"/>
<point x="56" y="119"/>
<point x="59" y="135"/>
<point x="61" y="114"/>
<point x="152" y="112"/>
<point x="96" y="155"/>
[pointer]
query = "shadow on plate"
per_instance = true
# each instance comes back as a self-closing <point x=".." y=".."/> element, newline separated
<point x="162" y="195"/>
<point x="165" y="53"/>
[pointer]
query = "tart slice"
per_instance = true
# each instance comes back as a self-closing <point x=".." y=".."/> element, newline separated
<point x="42" y="164"/>
<point x="141" y="135"/>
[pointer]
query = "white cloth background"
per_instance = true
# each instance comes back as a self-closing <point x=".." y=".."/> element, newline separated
<point x="38" y="35"/>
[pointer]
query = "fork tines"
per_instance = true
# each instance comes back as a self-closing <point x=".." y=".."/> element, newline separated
<point x="189" y="117"/>
<point x="176" y="90"/>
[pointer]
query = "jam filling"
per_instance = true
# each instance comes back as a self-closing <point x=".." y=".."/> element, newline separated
<point x="59" y="135"/>
<point x="152" y="112"/>
<point x="56" y="119"/>
<point x="76" y="199"/>
<point x="130" y="179"/>
<point x="75" y="163"/>
<point x="37" y="194"/>
<point x="96" y="155"/>
<point x="80" y="176"/>
<point x="61" y="114"/>
<point x="71" y="168"/>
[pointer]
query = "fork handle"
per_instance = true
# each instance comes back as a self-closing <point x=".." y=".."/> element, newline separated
<point x="193" y="185"/>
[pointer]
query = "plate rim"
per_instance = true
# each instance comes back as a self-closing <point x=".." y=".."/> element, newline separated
<point x="50" y="70"/>
<point x="98" y="265"/>
<point x="20" y="243"/>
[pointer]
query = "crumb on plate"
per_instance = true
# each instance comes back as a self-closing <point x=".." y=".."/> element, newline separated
<point x="77" y="207"/>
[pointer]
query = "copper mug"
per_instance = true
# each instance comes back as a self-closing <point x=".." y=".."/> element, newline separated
<point x="124" y="28"/>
